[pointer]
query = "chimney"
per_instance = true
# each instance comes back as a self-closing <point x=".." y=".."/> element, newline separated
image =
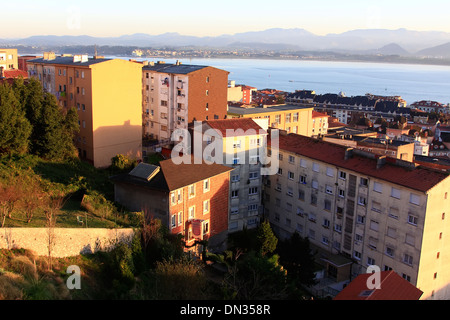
<point x="348" y="153"/>
<point x="381" y="162"/>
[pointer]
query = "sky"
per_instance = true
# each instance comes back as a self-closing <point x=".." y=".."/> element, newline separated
<point x="212" y="17"/>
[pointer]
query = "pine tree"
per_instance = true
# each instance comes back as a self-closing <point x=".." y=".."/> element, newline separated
<point x="15" y="129"/>
<point x="266" y="238"/>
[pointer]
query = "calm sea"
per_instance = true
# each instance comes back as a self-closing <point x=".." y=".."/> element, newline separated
<point x="412" y="82"/>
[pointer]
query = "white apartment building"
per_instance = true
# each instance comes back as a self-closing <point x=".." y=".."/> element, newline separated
<point x="363" y="210"/>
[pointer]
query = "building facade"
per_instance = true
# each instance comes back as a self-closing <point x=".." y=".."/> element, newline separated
<point x="368" y="209"/>
<point x="291" y="118"/>
<point x="8" y="59"/>
<point x="175" y="95"/>
<point x="189" y="199"/>
<point x="107" y="95"/>
<point x="239" y="142"/>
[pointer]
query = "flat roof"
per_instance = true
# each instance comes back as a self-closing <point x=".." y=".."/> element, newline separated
<point x="174" y="68"/>
<point x="277" y="108"/>
<point x="68" y="61"/>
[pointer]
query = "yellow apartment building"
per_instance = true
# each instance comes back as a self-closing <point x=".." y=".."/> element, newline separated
<point x="359" y="210"/>
<point x="108" y="96"/>
<point x="9" y="59"/>
<point x="291" y="118"/>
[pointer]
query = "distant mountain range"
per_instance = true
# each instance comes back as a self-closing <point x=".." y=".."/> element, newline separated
<point x="363" y="41"/>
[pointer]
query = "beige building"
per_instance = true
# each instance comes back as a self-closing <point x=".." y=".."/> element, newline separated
<point x="291" y="118"/>
<point x="108" y="96"/>
<point x="9" y="59"/>
<point x="362" y="210"/>
<point x="241" y="151"/>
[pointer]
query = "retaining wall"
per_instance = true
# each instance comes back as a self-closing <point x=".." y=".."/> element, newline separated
<point x="66" y="242"/>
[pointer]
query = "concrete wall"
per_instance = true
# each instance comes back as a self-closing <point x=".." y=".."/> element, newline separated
<point x="67" y="242"/>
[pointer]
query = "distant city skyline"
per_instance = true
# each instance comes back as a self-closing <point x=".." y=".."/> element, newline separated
<point x="206" y="18"/>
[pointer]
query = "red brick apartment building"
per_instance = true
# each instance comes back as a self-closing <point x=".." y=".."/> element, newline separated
<point x="190" y="199"/>
<point x="175" y="95"/>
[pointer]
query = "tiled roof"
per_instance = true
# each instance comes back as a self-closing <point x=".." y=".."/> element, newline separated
<point x="419" y="178"/>
<point x="234" y="124"/>
<point x="277" y="108"/>
<point x="392" y="287"/>
<point x="316" y="114"/>
<point x="172" y="176"/>
<point x="182" y="175"/>
<point x="12" y="74"/>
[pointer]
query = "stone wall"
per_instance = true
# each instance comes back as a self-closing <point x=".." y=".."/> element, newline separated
<point x="67" y="242"/>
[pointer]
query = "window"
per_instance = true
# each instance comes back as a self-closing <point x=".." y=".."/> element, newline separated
<point x="301" y="195"/>
<point x="363" y="182"/>
<point x="313" y="199"/>
<point x="357" y="255"/>
<point x="325" y="240"/>
<point x="253" y="191"/>
<point x="312" y="217"/>
<point x="303" y="163"/>
<point x="327" y="205"/>
<point x="338" y="227"/>
<point x="329" y="189"/>
<point x="206" y="227"/>
<point x="390" y="251"/>
<point x="206" y="185"/>
<point x="341" y="193"/>
<point x="326" y="223"/>
<point x="412" y="219"/>
<point x="410" y="239"/>
<point x="234" y="211"/>
<point x="253" y="175"/>
<point x="173" y="198"/>
<point x="342" y="175"/>
<point x="406" y="277"/>
<point x="163" y="103"/>
<point x="192" y="212"/>
<point x="316" y="167"/>
<point x="236" y="178"/>
<point x="395" y="193"/>
<point x="315" y="184"/>
<point x="362" y="200"/>
<point x="370" y="261"/>
<point x="374" y="225"/>
<point x="180" y="218"/>
<point x="392" y="232"/>
<point x="234" y="194"/>
<point x="207" y="79"/>
<point x="290" y="191"/>
<point x="191" y="191"/>
<point x="291" y="175"/>
<point x="291" y="159"/>
<point x="414" y="199"/>
<point x="361" y="219"/>
<point x="303" y="179"/>
<point x="205" y="206"/>
<point x="253" y="207"/>
<point x="408" y="259"/>
<point x="378" y="187"/>
<point x="280" y="172"/>
<point x="84" y="124"/>
<point x="174" y="221"/>
<point x="300" y="212"/>
<point x="236" y="161"/>
<point x="330" y="172"/>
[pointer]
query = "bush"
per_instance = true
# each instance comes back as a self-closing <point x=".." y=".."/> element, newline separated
<point x="122" y="162"/>
<point x="96" y="204"/>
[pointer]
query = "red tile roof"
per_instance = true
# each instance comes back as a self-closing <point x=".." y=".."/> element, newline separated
<point x="316" y="114"/>
<point x="182" y="175"/>
<point x="12" y="74"/>
<point x="234" y="124"/>
<point x="392" y="287"/>
<point x="419" y="178"/>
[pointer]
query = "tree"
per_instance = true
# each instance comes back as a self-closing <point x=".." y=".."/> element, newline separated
<point x="15" y="129"/>
<point x="296" y="257"/>
<point x="266" y="238"/>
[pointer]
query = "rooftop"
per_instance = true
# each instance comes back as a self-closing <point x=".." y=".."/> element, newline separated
<point x="174" y="68"/>
<point x="392" y="287"/>
<point x="394" y="171"/>
<point x="68" y="60"/>
<point x="234" y="124"/>
<point x="169" y="176"/>
<point x="275" y="108"/>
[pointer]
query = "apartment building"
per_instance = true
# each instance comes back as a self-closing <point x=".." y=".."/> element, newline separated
<point x="360" y="210"/>
<point x="189" y="199"/>
<point x="175" y="95"/>
<point x="108" y="96"/>
<point x="240" y="93"/>
<point x="238" y="146"/>
<point x="8" y="59"/>
<point x="291" y="118"/>
<point x="320" y="123"/>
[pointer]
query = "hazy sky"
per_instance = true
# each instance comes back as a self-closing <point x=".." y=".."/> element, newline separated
<point x="211" y="17"/>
